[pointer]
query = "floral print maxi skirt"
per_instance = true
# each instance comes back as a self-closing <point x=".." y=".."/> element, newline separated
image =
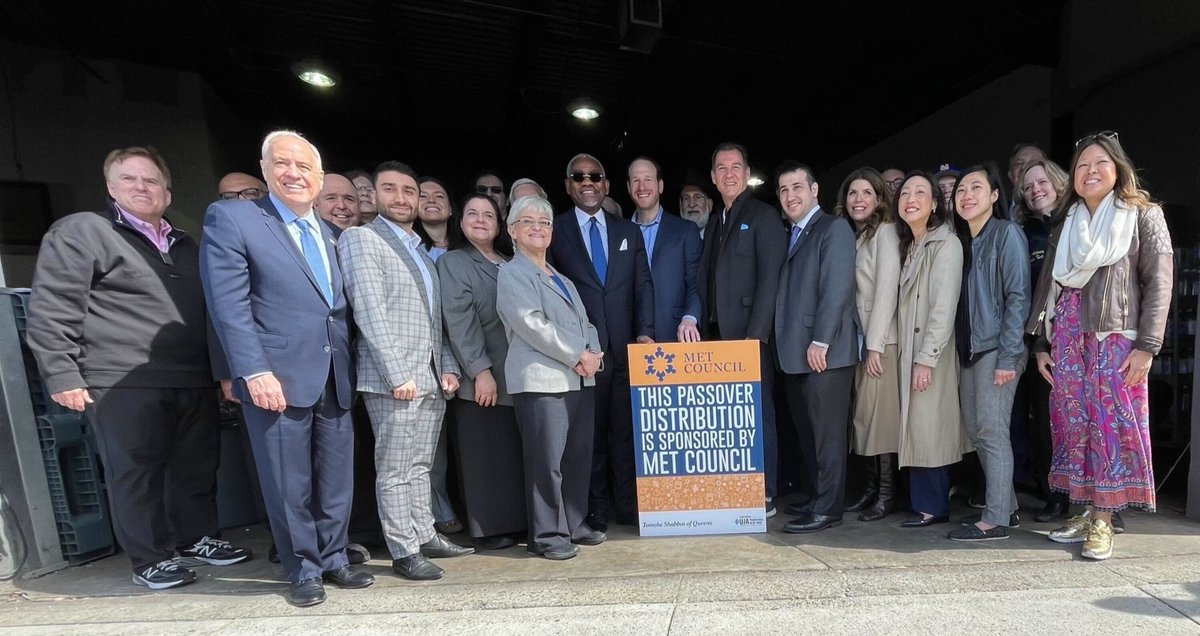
<point x="1100" y="427"/>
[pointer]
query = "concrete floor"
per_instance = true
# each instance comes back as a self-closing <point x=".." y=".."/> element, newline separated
<point x="859" y="578"/>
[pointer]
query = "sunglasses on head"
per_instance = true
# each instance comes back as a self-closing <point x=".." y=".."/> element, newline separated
<point x="1092" y="137"/>
<point x="594" y="177"/>
<point x="482" y="189"/>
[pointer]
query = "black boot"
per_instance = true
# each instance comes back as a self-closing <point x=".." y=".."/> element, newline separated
<point x="888" y="478"/>
<point x="870" y="489"/>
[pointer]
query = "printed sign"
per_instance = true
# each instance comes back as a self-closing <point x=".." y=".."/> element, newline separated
<point x="697" y="426"/>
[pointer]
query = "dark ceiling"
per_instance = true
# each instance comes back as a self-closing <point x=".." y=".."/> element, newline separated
<point x="454" y="85"/>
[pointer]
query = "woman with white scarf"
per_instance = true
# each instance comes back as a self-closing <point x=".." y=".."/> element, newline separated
<point x="1100" y="311"/>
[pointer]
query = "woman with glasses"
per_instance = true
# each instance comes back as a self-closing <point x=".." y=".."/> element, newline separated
<point x="931" y="432"/>
<point x="1042" y="184"/>
<point x="484" y="427"/>
<point x="865" y="200"/>
<point x="550" y="371"/>
<point x="989" y="329"/>
<point x="1101" y="311"/>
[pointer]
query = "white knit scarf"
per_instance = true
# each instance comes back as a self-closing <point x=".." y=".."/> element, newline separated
<point x="1089" y="242"/>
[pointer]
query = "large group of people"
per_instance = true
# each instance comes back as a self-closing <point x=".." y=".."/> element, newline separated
<point x="923" y="318"/>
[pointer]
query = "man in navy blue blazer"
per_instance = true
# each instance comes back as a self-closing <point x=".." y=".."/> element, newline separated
<point x="605" y="257"/>
<point x="673" y="250"/>
<point x="274" y="293"/>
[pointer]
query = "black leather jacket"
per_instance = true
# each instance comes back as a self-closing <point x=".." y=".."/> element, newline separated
<point x="998" y="287"/>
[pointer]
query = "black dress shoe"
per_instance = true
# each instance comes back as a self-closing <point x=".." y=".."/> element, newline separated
<point x="415" y="567"/>
<point x="923" y="522"/>
<point x="495" y="542"/>
<point x="357" y="553"/>
<point x="348" y="578"/>
<point x="597" y="521"/>
<point x="273" y="554"/>
<point x="558" y="552"/>
<point x="1053" y="511"/>
<point x="811" y="523"/>
<point x="595" y="537"/>
<point x="306" y="593"/>
<point x="439" y="547"/>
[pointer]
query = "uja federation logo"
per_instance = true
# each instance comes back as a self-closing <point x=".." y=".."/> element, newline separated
<point x="660" y="364"/>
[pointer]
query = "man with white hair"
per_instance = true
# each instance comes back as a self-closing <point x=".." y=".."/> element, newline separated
<point x="274" y="293"/>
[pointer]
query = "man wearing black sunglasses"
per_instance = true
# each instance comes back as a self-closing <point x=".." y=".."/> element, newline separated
<point x="490" y="183"/>
<point x="605" y="256"/>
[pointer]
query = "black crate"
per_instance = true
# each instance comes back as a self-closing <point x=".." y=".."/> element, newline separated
<point x="42" y="404"/>
<point x="76" y="487"/>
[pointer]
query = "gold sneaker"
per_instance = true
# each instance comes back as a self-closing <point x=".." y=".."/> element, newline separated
<point x="1099" y="544"/>
<point x="1075" y="531"/>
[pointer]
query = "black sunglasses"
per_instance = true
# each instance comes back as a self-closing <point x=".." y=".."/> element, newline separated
<point x="482" y="189"/>
<point x="1092" y="137"/>
<point x="594" y="177"/>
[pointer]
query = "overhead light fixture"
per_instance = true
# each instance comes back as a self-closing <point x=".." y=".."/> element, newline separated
<point x="755" y="181"/>
<point x="585" y="109"/>
<point x="312" y="73"/>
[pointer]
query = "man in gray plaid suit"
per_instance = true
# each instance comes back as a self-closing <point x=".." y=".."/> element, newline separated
<point x="406" y="370"/>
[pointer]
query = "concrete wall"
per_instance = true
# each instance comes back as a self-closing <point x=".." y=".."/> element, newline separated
<point x="68" y="114"/>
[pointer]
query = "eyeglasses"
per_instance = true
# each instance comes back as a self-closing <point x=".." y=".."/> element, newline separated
<point x="248" y="193"/>
<point x="541" y="224"/>
<point x="693" y="198"/>
<point x="483" y="189"/>
<point x="594" y="177"/>
<point x="1091" y="138"/>
<point x="365" y="189"/>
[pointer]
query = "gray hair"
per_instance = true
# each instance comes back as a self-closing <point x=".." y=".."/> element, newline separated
<point x="584" y="155"/>
<point x="525" y="181"/>
<point x="538" y="205"/>
<point x="275" y="136"/>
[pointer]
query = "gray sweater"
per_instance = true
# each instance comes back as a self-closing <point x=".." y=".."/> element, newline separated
<point x="109" y="310"/>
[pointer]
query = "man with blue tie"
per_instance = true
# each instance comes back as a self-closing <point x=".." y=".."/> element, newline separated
<point x="274" y="293"/>
<point x="816" y="344"/>
<point x="673" y="251"/>
<point x="605" y="256"/>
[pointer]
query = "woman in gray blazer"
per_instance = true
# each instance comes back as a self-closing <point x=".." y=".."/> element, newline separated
<point x="484" y="426"/>
<point x="549" y="372"/>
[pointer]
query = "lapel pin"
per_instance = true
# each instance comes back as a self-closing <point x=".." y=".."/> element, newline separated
<point x="624" y="245"/>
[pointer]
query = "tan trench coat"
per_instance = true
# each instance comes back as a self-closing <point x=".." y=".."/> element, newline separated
<point x="931" y="430"/>
<point x="876" y="428"/>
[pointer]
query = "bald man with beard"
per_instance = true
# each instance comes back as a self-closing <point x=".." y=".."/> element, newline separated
<point x="338" y="203"/>
<point x="239" y="185"/>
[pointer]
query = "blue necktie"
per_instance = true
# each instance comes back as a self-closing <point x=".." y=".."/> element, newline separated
<point x="795" y="235"/>
<point x="599" y="260"/>
<point x="309" y="246"/>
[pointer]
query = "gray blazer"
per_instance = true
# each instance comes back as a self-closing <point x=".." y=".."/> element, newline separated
<point x="815" y="300"/>
<point x="547" y="332"/>
<point x="473" y="327"/>
<point x="398" y="338"/>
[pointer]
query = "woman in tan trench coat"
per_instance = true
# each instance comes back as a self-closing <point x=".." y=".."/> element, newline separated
<point x="931" y="432"/>
<point x="865" y="200"/>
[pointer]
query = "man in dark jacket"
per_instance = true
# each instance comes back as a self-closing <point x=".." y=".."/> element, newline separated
<point x="117" y="325"/>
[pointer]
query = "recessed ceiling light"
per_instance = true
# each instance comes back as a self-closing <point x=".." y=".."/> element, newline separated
<point x="312" y="73"/>
<point x="755" y="181"/>
<point x="585" y="109"/>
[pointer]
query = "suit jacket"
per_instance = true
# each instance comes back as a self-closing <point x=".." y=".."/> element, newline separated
<point x="816" y="296"/>
<point x="621" y="309"/>
<point x="746" y="269"/>
<point x="399" y="327"/>
<point x="473" y="326"/>
<point x="673" y="269"/>
<point x="265" y="306"/>
<point x="547" y="331"/>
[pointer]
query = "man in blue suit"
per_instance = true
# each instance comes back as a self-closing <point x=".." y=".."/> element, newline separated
<point x="274" y="293"/>
<point x="605" y="257"/>
<point x="673" y="250"/>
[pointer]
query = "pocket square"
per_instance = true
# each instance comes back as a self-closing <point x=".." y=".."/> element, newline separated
<point x="624" y="245"/>
<point x="744" y="227"/>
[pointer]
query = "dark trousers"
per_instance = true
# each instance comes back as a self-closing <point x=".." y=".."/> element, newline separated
<point x="612" y="448"/>
<point x="1041" y="446"/>
<point x="556" y="444"/>
<point x="766" y="365"/>
<point x="818" y="403"/>
<point x="1019" y="432"/>
<point x="160" y="449"/>
<point x="929" y="490"/>
<point x="305" y="459"/>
